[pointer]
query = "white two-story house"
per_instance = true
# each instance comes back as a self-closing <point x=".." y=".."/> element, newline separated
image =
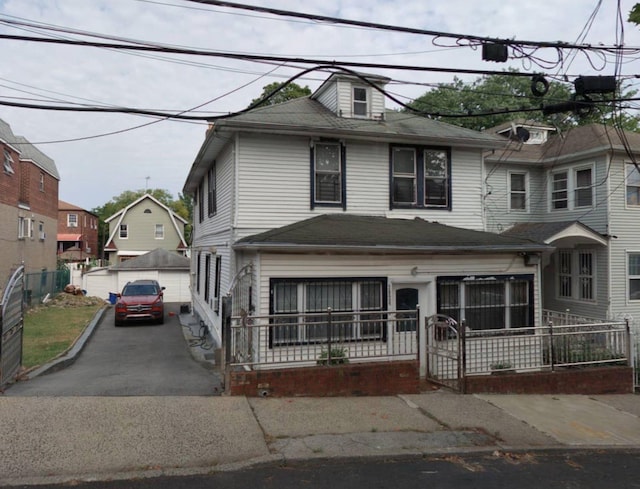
<point x="578" y="191"/>
<point x="333" y="201"/>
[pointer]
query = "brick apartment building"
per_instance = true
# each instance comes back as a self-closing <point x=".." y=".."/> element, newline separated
<point x="28" y="206"/>
<point x="77" y="232"/>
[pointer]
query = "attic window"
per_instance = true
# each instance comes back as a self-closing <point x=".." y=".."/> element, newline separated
<point x="147" y="211"/>
<point x="360" y="102"/>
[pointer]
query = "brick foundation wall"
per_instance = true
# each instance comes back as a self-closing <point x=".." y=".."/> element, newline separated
<point x="368" y="379"/>
<point x="589" y="381"/>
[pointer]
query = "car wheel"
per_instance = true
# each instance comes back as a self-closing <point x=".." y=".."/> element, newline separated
<point x="117" y="323"/>
<point x="160" y="320"/>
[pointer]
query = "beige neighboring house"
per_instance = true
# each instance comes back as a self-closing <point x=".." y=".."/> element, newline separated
<point x="144" y="225"/>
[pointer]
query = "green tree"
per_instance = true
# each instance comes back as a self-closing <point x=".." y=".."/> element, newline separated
<point x="489" y="101"/>
<point x="289" y="92"/>
<point x="634" y="15"/>
<point x="183" y="206"/>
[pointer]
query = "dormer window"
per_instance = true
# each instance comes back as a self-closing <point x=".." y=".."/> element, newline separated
<point x="360" y="102"/>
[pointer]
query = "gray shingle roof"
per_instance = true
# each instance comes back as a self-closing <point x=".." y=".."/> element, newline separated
<point x="542" y="231"/>
<point x="372" y="233"/>
<point x="27" y="150"/>
<point x="305" y="114"/>
<point x="158" y="259"/>
<point x="577" y="140"/>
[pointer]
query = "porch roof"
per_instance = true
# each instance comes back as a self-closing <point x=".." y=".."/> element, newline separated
<point x="550" y="232"/>
<point x="344" y="232"/>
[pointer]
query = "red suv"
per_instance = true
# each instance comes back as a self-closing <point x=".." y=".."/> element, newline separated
<point x="140" y="300"/>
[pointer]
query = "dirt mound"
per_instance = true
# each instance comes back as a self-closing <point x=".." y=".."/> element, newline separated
<point x="70" y="300"/>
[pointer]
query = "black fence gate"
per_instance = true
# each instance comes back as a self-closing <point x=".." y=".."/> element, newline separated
<point x="11" y="326"/>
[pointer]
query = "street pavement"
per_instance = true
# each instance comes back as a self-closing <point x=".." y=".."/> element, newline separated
<point x="45" y="439"/>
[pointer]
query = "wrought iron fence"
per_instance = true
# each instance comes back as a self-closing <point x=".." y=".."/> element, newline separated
<point x="11" y="327"/>
<point x="547" y="347"/>
<point x="37" y="285"/>
<point x="326" y="338"/>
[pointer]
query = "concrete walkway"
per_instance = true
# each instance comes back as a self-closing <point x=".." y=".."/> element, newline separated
<point x="46" y="439"/>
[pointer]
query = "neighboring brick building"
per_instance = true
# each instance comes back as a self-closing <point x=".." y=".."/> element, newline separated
<point x="77" y="232"/>
<point x="28" y="206"/>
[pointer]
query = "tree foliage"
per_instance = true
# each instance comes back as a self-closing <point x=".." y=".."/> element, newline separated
<point x="489" y="101"/>
<point x="634" y="15"/>
<point x="289" y="92"/>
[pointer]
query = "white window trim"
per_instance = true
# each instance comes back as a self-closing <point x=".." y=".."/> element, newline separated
<point x="571" y="172"/>
<point x="69" y="223"/>
<point x="8" y="163"/>
<point x="367" y="102"/>
<point x="628" y="276"/>
<point x="626" y="203"/>
<point x="155" y="231"/>
<point x="526" y="191"/>
<point x="576" y="275"/>
<point x="126" y="227"/>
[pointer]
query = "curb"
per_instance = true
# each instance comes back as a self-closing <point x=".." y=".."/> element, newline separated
<point x="70" y="356"/>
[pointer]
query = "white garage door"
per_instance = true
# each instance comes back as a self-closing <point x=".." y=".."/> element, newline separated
<point x="176" y="286"/>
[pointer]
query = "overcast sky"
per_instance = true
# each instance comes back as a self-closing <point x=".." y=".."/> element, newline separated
<point x="95" y="169"/>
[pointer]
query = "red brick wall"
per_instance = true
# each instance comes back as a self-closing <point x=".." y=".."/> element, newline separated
<point x="40" y="202"/>
<point x="590" y="381"/>
<point x="370" y="379"/>
<point x="89" y="234"/>
<point x="9" y="184"/>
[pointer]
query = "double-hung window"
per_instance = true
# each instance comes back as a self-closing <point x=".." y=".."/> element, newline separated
<point x="301" y="308"/>
<point x="576" y="274"/>
<point x="212" y="191"/>
<point x="41" y="183"/>
<point x="360" y="102"/>
<point x="72" y="220"/>
<point x="517" y="191"/>
<point x="328" y="170"/>
<point x="633" y="276"/>
<point x="633" y="184"/>
<point x="124" y="231"/>
<point x="420" y="178"/>
<point x="487" y="302"/>
<point x="8" y="163"/>
<point x="583" y="188"/>
<point x="159" y="231"/>
<point x="560" y="190"/>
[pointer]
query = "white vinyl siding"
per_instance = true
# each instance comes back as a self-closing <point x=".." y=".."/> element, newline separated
<point x="274" y="184"/>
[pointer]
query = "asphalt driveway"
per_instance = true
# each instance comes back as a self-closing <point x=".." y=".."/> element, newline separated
<point x="134" y="360"/>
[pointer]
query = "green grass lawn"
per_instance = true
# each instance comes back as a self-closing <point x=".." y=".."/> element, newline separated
<point x="50" y="330"/>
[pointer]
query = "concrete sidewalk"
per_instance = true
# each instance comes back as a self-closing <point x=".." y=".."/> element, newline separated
<point x="45" y="439"/>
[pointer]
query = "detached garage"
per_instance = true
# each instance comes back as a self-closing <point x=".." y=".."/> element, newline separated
<point x="170" y="269"/>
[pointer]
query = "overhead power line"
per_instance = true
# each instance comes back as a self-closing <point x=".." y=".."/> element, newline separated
<point x="409" y="30"/>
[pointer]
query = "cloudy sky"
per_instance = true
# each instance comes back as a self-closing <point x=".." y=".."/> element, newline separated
<point x="100" y="155"/>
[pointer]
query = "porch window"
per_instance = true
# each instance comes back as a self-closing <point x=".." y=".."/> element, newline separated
<point x="576" y="274"/>
<point x="559" y="192"/>
<point x="633" y="184"/>
<point x="518" y="191"/>
<point x="420" y="178"/>
<point x="487" y="302"/>
<point x="634" y="276"/>
<point x="353" y="304"/>
<point x="328" y="169"/>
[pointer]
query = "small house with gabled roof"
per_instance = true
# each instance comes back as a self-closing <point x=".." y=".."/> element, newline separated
<point x="144" y="225"/>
